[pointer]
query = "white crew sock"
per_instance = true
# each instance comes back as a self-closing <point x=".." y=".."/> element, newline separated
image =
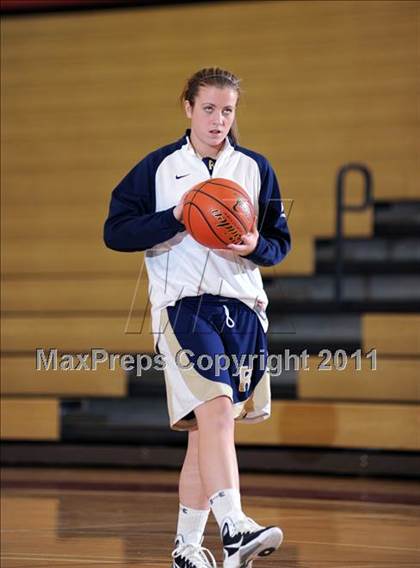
<point x="191" y="524"/>
<point x="226" y="503"/>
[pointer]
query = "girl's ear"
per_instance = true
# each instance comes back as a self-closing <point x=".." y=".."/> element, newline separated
<point x="188" y="109"/>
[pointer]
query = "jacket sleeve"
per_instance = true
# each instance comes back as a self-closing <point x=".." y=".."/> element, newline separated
<point x="132" y="223"/>
<point x="274" y="241"/>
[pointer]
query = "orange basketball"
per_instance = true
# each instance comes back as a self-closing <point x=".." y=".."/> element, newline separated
<point x="218" y="212"/>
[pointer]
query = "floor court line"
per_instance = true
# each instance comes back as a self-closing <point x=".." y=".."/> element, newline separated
<point x="248" y="491"/>
<point x="65" y="558"/>
<point x="369" y="546"/>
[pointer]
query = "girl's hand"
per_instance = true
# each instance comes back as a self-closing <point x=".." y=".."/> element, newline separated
<point x="179" y="208"/>
<point x="249" y="242"/>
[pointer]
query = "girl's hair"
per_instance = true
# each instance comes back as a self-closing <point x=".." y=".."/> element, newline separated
<point x="216" y="77"/>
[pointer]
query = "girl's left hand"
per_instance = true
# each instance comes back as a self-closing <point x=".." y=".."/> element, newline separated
<point x="249" y="242"/>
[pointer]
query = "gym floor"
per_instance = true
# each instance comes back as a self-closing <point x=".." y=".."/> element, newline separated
<point x="126" y="518"/>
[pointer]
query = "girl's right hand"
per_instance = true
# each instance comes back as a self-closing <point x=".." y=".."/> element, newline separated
<point x="179" y="208"/>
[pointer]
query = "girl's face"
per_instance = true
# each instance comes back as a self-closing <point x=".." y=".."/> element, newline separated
<point x="211" y="117"/>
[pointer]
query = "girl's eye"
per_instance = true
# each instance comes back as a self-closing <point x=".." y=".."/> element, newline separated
<point x="227" y="111"/>
<point x="208" y="108"/>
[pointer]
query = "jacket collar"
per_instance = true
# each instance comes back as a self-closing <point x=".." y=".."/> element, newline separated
<point x="228" y="146"/>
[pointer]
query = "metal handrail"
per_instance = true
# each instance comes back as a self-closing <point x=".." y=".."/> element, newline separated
<point x="341" y="207"/>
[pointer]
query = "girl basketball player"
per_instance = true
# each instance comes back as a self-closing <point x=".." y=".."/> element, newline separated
<point x="207" y="302"/>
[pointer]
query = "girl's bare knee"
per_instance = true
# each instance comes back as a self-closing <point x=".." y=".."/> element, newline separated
<point x="216" y="413"/>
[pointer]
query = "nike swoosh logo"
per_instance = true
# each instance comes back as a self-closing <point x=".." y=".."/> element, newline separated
<point x="179" y="177"/>
<point x="233" y="547"/>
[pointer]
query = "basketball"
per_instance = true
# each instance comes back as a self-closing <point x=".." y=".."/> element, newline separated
<point x="218" y="212"/>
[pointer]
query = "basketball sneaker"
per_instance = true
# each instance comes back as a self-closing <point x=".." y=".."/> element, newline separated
<point x="244" y="541"/>
<point x="192" y="556"/>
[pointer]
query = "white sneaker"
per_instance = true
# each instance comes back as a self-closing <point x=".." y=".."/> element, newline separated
<point x="244" y="540"/>
<point x="192" y="556"/>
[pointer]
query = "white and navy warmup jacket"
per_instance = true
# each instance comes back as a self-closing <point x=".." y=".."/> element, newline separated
<point x="141" y="219"/>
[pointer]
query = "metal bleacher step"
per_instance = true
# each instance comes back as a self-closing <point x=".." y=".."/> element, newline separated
<point x="362" y="292"/>
<point x="297" y="332"/>
<point x="144" y="421"/>
<point x="397" y="218"/>
<point x="140" y="417"/>
<point x="383" y="255"/>
<point x="134" y="419"/>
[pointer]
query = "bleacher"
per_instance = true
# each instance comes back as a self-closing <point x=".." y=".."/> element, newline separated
<point x="345" y="408"/>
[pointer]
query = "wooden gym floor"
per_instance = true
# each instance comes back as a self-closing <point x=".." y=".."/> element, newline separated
<point x="124" y="518"/>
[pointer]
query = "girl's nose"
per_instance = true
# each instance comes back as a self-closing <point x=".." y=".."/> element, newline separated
<point x="218" y="118"/>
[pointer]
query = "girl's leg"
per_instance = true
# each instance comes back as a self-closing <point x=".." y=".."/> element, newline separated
<point x="210" y="450"/>
<point x="191" y="490"/>
<point x="220" y="468"/>
<point x="216" y="445"/>
<point x="243" y="539"/>
<point x="210" y="465"/>
<point x="194" y="505"/>
<point x="217" y="457"/>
